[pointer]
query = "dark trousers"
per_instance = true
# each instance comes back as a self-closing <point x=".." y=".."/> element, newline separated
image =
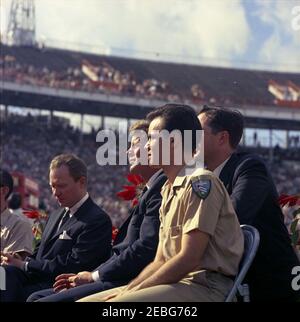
<point x="73" y="294"/>
<point x="19" y="285"/>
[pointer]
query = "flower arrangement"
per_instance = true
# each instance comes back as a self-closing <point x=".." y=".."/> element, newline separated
<point x="291" y="210"/>
<point x="134" y="191"/>
<point x="38" y="219"/>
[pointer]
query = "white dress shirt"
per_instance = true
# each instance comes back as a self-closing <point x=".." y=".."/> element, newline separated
<point x="219" y="168"/>
<point x="74" y="208"/>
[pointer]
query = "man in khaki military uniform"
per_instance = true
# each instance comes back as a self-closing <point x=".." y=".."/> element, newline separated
<point x="201" y="242"/>
<point x="16" y="232"/>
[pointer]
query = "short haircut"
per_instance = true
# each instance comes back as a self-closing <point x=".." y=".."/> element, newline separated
<point x="141" y="125"/>
<point x="225" y="119"/>
<point x="15" y="201"/>
<point x="76" y="166"/>
<point x="6" y="180"/>
<point x="178" y="117"/>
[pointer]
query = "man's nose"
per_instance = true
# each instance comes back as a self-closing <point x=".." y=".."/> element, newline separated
<point x="56" y="192"/>
<point x="130" y="153"/>
<point x="147" y="146"/>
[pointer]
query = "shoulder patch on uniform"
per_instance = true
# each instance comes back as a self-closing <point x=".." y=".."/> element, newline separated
<point x="201" y="187"/>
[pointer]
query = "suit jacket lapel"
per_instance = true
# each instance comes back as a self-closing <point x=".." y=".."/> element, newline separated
<point x="138" y="208"/>
<point x="52" y="224"/>
<point x="158" y="180"/>
<point x="132" y="211"/>
<point x="123" y="229"/>
<point x="81" y="211"/>
<point x="160" y="176"/>
<point x="49" y="230"/>
<point x="67" y="225"/>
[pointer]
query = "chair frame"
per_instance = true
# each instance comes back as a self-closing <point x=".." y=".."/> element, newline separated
<point x="251" y="243"/>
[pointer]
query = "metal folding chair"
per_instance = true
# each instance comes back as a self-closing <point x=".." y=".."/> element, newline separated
<point x="251" y="242"/>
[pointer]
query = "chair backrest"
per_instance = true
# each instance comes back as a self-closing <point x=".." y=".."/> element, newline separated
<point x="251" y="242"/>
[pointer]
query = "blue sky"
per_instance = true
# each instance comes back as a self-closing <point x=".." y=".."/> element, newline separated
<point x="235" y="33"/>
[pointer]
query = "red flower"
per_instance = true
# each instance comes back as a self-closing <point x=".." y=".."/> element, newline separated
<point x="133" y="191"/>
<point x="289" y="200"/>
<point x="31" y="214"/>
<point x="135" y="179"/>
<point x="128" y="194"/>
<point x="115" y="231"/>
<point x="292" y="218"/>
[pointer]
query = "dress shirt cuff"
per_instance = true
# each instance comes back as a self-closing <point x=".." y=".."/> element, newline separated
<point x="25" y="267"/>
<point x="95" y="276"/>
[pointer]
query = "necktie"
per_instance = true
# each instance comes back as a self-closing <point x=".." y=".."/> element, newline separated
<point x="64" y="218"/>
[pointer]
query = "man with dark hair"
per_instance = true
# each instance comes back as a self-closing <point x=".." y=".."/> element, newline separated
<point x="15" y="206"/>
<point x="136" y="242"/>
<point x="76" y="237"/>
<point x="15" y="201"/>
<point x="177" y="117"/>
<point x="16" y="232"/>
<point x="7" y="183"/>
<point x="255" y="200"/>
<point x="200" y="240"/>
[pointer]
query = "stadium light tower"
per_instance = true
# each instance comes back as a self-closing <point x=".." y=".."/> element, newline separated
<point x="21" y="25"/>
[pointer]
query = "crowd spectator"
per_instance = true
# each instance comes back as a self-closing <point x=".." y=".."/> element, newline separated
<point x="30" y="142"/>
<point x="101" y="77"/>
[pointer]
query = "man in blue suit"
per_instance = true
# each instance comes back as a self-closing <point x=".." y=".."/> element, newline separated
<point x="75" y="238"/>
<point x="135" y="245"/>
<point x="255" y="200"/>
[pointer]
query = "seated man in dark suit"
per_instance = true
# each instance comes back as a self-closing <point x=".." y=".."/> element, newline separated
<point x="76" y="238"/>
<point x="135" y="245"/>
<point x="255" y="200"/>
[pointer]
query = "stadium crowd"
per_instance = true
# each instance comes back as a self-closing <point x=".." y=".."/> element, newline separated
<point x="30" y="145"/>
<point x="31" y="142"/>
<point x="102" y="77"/>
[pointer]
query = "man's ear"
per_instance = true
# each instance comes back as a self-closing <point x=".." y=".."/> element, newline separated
<point x="5" y="191"/>
<point x="224" y="137"/>
<point x="83" y="181"/>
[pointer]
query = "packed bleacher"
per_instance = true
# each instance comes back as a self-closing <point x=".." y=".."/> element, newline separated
<point x="30" y="145"/>
<point x="283" y="163"/>
<point x="147" y="79"/>
<point x="30" y="142"/>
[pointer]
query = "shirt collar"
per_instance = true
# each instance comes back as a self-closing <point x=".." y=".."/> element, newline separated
<point x="220" y="167"/>
<point x="74" y="208"/>
<point x="178" y="182"/>
<point x="5" y="215"/>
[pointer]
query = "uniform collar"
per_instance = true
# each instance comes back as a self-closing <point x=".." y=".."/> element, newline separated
<point x="178" y="182"/>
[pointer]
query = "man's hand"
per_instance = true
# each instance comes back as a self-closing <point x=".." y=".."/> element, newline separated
<point x="62" y="282"/>
<point x="110" y="297"/>
<point x="10" y="259"/>
<point x="81" y="278"/>
<point x="124" y="291"/>
<point x="66" y="281"/>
